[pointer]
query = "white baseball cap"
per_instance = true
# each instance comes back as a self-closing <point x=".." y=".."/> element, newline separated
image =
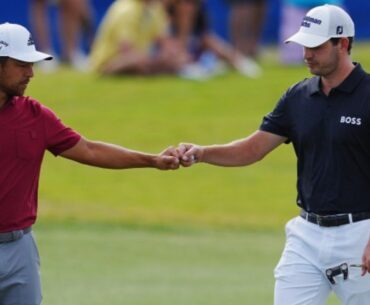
<point x="322" y="23"/>
<point x="16" y="42"/>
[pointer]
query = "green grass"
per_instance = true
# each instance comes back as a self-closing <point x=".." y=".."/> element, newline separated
<point x="152" y="113"/>
<point x="96" y="265"/>
<point x="200" y="236"/>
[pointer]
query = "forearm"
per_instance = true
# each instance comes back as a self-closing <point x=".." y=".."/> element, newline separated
<point x="237" y="153"/>
<point x="111" y="156"/>
<point x="232" y="154"/>
<point x="116" y="157"/>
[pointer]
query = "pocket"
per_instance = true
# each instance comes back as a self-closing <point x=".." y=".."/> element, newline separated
<point x="35" y="249"/>
<point x="288" y="226"/>
<point x="3" y="261"/>
<point x="27" y="142"/>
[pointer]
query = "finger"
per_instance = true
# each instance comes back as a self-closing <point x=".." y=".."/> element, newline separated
<point x="174" y="153"/>
<point x="176" y="163"/>
<point x="191" y="150"/>
<point x="171" y="162"/>
<point x="188" y="161"/>
<point x="171" y="151"/>
<point x="364" y="266"/>
<point x="191" y="158"/>
<point x="182" y="148"/>
<point x="185" y="163"/>
<point x="364" y="270"/>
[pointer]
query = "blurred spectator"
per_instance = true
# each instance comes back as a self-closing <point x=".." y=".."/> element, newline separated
<point x="133" y="38"/>
<point x="189" y="25"/>
<point x="75" y="20"/>
<point x="292" y="14"/>
<point x="246" y="22"/>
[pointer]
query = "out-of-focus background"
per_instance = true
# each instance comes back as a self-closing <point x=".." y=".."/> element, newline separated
<point x="202" y="236"/>
<point x="18" y="11"/>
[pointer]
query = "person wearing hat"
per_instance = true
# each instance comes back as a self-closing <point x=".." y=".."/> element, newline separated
<point x="292" y="12"/>
<point x="327" y="119"/>
<point x="28" y="129"/>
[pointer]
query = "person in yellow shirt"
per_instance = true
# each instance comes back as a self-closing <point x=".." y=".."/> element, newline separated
<point x="133" y="39"/>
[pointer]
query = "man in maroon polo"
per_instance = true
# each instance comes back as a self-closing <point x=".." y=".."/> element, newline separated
<point x="27" y="130"/>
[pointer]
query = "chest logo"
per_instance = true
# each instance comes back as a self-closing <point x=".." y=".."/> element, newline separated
<point x="350" y="120"/>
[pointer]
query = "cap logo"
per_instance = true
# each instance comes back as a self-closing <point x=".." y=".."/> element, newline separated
<point x="30" y="41"/>
<point x="3" y="44"/>
<point x="307" y="20"/>
<point x="339" y="30"/>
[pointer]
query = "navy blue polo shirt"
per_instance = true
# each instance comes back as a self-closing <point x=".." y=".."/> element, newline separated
<point x="331" y="139"/>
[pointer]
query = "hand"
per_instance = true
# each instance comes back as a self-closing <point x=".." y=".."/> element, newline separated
<point x="167" y="159"/>
<point x="189" y="154"/>
<point x="366" y="260"/>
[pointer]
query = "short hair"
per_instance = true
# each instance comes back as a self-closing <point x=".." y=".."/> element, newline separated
<point x="335" y="41"/>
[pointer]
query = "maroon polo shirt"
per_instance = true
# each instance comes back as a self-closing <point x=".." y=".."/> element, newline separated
<point x="27" y="129"/>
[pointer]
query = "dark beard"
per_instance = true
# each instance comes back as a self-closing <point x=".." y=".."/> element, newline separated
<point x="10" y="93"/>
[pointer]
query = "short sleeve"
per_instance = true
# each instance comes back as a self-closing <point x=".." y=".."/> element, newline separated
<point x="278" y="121"/>
<point x="58" y="136"/>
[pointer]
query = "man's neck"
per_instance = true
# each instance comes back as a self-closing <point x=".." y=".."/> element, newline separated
<point x="333" y="80"/>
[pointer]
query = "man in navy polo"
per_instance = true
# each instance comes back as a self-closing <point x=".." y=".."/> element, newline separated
<point x="28" y="129"/>
<point x="327" y="119"/>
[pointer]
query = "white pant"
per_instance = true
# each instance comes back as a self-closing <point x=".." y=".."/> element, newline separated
<point x="309" y="251"/>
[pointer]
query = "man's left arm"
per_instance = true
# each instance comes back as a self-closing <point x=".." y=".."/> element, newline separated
<point x="112" y="156"/>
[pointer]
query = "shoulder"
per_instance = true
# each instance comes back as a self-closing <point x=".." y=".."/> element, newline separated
<point x="302" y="89"/>
<point x="366" y="79"/>
<point x="28" y="104"/>
<point x="306" y="86"/>
<point x="32" y="106"/>
<point x="298" y="92"/>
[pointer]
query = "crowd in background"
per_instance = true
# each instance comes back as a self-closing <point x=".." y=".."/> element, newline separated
<point x="75" y="21"/>
<point x="150" y="37"/>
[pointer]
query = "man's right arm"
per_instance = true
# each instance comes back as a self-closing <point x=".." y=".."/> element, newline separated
<point x="237" y="153"/>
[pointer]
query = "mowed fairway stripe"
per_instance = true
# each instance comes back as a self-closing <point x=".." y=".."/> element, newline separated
<point x="99" y="265"/>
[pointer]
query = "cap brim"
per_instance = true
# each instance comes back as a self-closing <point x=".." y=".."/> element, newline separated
<point x="35" y="56"/>
<point x="307" y="40"/>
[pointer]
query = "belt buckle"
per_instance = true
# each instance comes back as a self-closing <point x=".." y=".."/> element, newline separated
<point x="17" y="234"/>
<point x="320" y="220"/>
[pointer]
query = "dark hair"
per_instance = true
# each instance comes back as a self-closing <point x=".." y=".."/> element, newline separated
<point x="335" y="41"/>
